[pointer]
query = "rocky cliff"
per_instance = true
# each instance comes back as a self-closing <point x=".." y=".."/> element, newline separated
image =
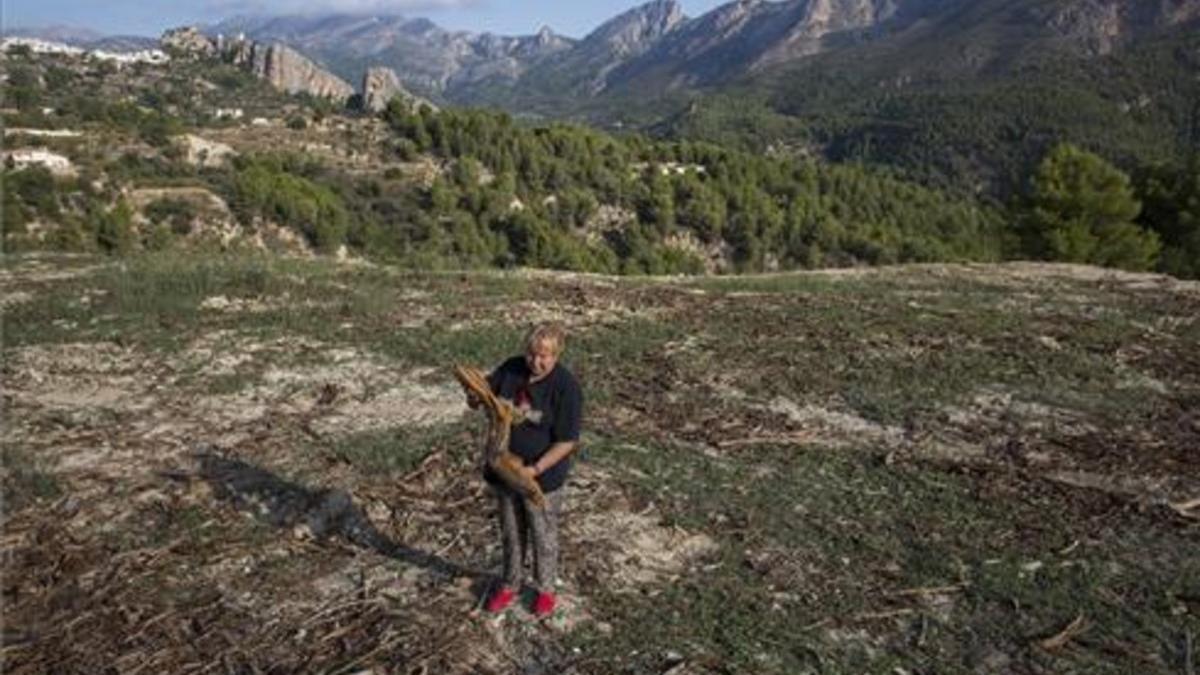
<point x="285" y="68"/>
<point x="1100" y="26"/>
<point x="188" y="40"/>
<point x="289" y="70"/>
<point x="380" y="86"/>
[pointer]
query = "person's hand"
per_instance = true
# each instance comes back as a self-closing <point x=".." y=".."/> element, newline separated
<point x="529" y="471"/>
<point x="473" y="401"/>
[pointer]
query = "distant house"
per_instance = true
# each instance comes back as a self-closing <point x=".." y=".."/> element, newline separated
<point x="668" y="168"/>
<point x="48" y="133"/>
<point x="39" y="46"/>
<point x="57" y="164"/>
<point x="46" y="47"/>
<point x="157" y="56"/>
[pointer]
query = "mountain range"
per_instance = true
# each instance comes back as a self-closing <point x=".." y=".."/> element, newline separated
<point x="964" y="94"/>
<point x="655" y="47"/>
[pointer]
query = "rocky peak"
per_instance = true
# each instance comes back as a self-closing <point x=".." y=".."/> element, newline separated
<point x="188" y="40"/>
<point x="835" y="15"/>
<point x="634" y="30"/>
<point x="420" y="26"/>
<point x="527" y="47"/>
<point x="380" y="86"/>
<point x="811" y="21"/>
<point x="545" y="41"/>
<point x="731" y="15"/>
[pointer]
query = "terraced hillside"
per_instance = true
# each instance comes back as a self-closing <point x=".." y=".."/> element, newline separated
<point x="257" y="464"/>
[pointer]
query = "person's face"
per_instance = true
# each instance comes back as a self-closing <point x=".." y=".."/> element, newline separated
<point x="541" y="357"/>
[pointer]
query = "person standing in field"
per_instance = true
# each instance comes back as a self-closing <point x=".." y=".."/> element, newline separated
<point x="550" y="396"/>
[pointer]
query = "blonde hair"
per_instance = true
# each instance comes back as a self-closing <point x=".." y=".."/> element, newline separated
<point x="549" y="332"/>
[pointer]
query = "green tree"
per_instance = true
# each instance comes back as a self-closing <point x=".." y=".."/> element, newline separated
<point x="657" y="205"/>
<point x="1082" y="209"/>
<point x="14" y="217"/>
<point x="175" y="214"/>
<point x="264" y="187"/>
<point x="1171" y="196"/>
<point x="114" y="228"/>
<point x="24" y="88"/>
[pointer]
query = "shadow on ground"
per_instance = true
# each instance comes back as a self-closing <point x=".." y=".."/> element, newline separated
<point x="325" y="513"/>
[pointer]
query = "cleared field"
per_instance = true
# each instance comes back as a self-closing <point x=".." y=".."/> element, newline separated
<point x="265" y="465"/>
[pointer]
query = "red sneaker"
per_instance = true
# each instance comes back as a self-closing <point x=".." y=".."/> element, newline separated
<point x="501" y="598"/>
<point x="543" y="605"/>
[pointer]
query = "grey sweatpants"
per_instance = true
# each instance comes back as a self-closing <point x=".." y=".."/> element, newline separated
<point x="520" y="522"/>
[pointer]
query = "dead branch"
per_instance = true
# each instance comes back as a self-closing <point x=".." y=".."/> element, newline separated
<point x="312" y="620"/>
<point x="383" y="647"/>
<point x="1064" y="636"/>
<point x="1187" y="509"/>
<point x="770" y="439"/>
<point x="1071" y="547"/>
<point x="816" y="624"/>
<point x="501" y="417"/>
<point x="873" y="616"/>
<point x="424" y="466"/>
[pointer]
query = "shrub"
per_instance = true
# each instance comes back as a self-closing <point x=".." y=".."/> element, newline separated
<point x="1082" y="209"/>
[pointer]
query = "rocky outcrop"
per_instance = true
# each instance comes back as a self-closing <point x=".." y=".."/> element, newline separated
<point x="634" y="31"/>
<point x="289" y="70"/>
<point x="813" y="21"/>
<point x="285" y="68"/>
<point x="380" y="86"/>
<point x="1100" y="26"/>
<point x="202" y="152"/>
<point x="188" y="40"/>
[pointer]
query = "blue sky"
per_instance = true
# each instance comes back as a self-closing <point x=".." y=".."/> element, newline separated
<point x="151" y="17"/>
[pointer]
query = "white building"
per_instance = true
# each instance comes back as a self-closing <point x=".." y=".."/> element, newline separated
<point x="48" y="133"/>
<point x="37" y="46"/>
<point x="157" y="56"/>
<point x="58" y="164"/>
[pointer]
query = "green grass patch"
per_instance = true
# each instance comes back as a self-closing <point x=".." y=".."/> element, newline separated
<point x="27" y="480"/>
<point x="400" y="450"/>
<point x="818" y="549"/>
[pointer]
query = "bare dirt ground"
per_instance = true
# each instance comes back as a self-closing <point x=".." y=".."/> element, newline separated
<point x="266" y="478"/>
